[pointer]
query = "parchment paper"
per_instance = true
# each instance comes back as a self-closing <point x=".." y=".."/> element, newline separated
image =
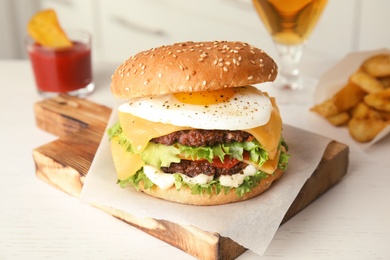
<point x="251" y="223"/>
<point x="337" y="76"/>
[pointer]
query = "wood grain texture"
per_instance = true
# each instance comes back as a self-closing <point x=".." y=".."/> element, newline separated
<point x="80" y="125"/>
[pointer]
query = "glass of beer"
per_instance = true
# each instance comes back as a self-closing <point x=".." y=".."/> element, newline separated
<point x="290" y="23"/>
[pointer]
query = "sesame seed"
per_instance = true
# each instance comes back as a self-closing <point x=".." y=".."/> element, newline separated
<point x="215" y="62"/>
<point x="160" y="75"/>
<point x="250" y="77"/>
<point x="225" y="69"/>
<point x="188" y="77"/>
<point x="146" y="82"/>
<point x="204" y="83"/>
<point x="227" y="63"/>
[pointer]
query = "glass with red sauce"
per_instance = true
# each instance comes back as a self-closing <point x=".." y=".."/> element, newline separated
<point x="63" y="70"/>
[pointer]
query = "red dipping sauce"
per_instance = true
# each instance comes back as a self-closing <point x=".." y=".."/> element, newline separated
<point x="61" y="70"/>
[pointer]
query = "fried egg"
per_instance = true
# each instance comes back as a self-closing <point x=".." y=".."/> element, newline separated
<point x="227" y="109"/>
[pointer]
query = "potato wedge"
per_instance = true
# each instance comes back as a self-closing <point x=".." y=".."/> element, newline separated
<point x="378" y="65"/>
<point x="326" y="109"/>
<point x="364" y="130"/>
<point x="366" y="82"/>
<point x="339" y="119"/>
<point x="349" y="96"/>
<point x="379" y="100"/>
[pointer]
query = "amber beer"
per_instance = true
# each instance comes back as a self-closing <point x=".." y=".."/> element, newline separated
<point x="289" y="22"/>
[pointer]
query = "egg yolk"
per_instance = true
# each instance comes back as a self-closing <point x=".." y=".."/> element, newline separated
<point x="206" y="97"/>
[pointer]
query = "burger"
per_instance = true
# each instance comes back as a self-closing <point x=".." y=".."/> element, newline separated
<point x="192" y="129"/>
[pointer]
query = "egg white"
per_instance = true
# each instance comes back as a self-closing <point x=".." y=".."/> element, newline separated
<point x="248" y="108"/>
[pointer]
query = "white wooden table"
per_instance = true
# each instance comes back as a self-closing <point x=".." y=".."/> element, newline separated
<point x="351" y="221"/>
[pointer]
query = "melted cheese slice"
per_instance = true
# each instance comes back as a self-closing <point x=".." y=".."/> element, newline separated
<point x="141" y="131"/>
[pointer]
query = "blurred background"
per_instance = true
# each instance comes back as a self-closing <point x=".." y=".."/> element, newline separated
<point x="121" y="28"/>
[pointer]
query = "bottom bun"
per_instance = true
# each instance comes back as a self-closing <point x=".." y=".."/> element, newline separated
<point x="184" y="195"/>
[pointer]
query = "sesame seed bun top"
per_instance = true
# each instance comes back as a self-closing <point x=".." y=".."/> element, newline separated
<point x="191" y="67"/>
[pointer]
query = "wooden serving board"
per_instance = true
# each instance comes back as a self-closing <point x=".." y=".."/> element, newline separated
<point x="80" y="124"/>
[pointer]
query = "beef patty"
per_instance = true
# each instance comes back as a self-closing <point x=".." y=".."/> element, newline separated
<point x="201" y="137"/>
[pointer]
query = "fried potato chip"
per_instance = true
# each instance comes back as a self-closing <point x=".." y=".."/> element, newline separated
<point x="339" y="119"/>
<point x="45" y="29"/>
<point x="379" y="100"/>
<point x="364" y="130"/>
<point x="366" y="82"/>
<point x="378" y="65"/>
<point x="349" y="96"/>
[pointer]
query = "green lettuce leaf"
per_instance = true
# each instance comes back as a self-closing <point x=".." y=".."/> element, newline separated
<point x="159" y="155"/>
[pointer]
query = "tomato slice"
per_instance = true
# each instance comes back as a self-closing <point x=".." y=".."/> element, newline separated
<point x="228" y="162"/>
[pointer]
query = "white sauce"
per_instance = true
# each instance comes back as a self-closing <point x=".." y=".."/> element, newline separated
<point x="236" y="180"/>
<point x="165" y="180"/>
<point x="162" y="180"/>
<point x="199" y="179"/>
